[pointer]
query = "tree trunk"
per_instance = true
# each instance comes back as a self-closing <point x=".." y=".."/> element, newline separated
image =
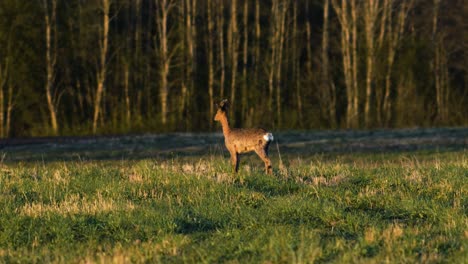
<point x="274" y="36"/>
<point x="126" y="94"/>
<point x="220" y="29"/>
<point x="138" y="77"/>
<point x="138" y="25"/>
<point x="256" y="55"/>
<point x="346" y="50"/>
<point x="276" y="41"/>
<point x="439" y="69"/>
<point x="379" y="91"/>
<point x="355" y="117"/>
<point x="281" y="26"/>
<point x="163" y="9"/>
<point x="297" y="63"/>
<point x="146" y="104"/>
<point x="3" y="76"/>
<point x="209" y="40"/>
<point x="190" y="40"/>
<point x="233" y="44"/>
<point x="371" y="9"/>
<point x="327" y="87"/>
<point x="51" y="54"/>
<point x="394" y="33"/>
<point x="8" y="110"/>
<point x="102" y="69"/>
<point x="244" y="60"/>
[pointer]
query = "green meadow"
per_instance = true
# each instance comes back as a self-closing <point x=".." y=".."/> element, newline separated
<point x="335" y="197"/>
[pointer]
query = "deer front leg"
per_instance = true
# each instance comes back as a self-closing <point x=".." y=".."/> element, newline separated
<point x="235" y="161"/>
<point x="264" y="156"/>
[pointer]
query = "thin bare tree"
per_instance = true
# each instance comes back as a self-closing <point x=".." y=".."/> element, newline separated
<point x="276" y="41"/>
<point x="4" y="65"/>
<point x="210" y="51"/>
<point x="102" y="66"/>
<point x="283" y="8"/>
<point x="273" y="42"/>
<point x="163" y="8"/>
<point x="440" y="70"/>
<point x="328" y="91"/>
<point x="256" y="56"/>
<point x="233" y="47"/>
<point x="6" y="104"/>
<point x="137" y="77"/>
<point x="296" y="64"/>
<point x="348" y="20"/>
<point x="126" y="70"/>
<point x="220" y="30"/>
<point x="245" y="53"/>
<point x="380" y="89"/>
<point x="354" y="36"/>
<point x="371" y="10"/>
<point x="394" y="33"/>
<point x="50" y="18"/>
<point x="190" y="7"/>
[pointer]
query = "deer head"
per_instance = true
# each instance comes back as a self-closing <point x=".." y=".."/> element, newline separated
<point x="222" y="109"/>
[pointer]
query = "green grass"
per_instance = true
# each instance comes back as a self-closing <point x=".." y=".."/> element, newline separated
<point x="395" y="210"/>
<point x="390" y="207"/>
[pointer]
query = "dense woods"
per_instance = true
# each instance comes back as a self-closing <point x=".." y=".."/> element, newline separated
<point x="75" y="67"/>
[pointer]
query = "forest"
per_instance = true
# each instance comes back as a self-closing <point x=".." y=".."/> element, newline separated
<point x="84" y="67"/>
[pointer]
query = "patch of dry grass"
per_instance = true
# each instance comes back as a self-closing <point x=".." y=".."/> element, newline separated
<point x="75" y="204"/>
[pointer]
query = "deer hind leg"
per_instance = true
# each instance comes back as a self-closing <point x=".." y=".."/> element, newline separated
<point x="263" y="154"/>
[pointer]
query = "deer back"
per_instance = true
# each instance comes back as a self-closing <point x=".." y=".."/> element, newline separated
<point x="247" y="139"/>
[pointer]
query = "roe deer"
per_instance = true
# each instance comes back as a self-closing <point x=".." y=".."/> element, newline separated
<point x="241" y="140"/>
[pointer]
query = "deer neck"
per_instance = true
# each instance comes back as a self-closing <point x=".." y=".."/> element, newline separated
<point x="225" y="125"/>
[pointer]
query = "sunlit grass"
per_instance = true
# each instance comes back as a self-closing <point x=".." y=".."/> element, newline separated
<point x="74" y="204"/>
<point x="386" y="208"/>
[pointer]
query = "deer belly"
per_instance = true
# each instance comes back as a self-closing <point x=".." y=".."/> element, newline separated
<point x="242" y="147"/>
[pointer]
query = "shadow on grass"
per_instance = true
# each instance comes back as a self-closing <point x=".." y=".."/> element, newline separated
<point x="192" y="222"/>
<point x="270" y="186"/>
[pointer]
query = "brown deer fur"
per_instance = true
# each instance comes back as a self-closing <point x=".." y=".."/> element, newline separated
<point x="241" y="140"/>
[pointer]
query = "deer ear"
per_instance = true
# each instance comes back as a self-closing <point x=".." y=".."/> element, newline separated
<point x="224" y="104"/>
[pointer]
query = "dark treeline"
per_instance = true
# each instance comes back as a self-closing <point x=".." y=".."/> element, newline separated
<point x="74" y="67"/>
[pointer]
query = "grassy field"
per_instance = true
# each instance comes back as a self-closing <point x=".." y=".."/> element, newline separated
<point x="335" y="197"/>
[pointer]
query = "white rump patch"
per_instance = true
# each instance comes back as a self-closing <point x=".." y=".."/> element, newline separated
<point x="268" y="137"/>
